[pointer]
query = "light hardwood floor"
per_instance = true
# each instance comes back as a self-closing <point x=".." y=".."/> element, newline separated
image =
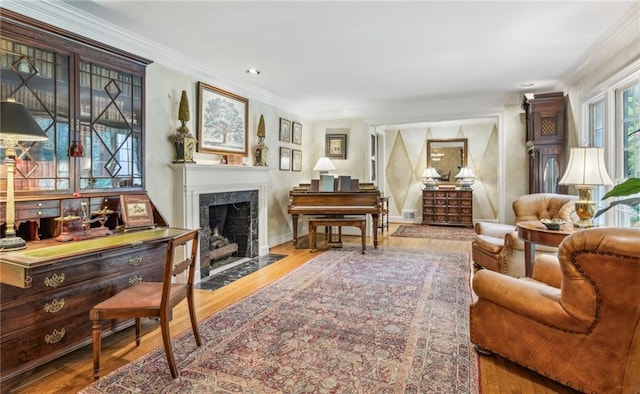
<point x="74" y="371"/>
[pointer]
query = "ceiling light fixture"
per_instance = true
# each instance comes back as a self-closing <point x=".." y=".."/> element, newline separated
<point x="253" y="71"/>
<point x="527" y="85"/>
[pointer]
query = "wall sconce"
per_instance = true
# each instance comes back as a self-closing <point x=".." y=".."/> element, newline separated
<point x="16" y="124"/>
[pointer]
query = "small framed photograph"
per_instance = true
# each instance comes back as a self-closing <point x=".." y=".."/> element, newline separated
<point x="296" y="160"/>
<point x="285" y="130"/>
<point x="336" y="146"/>
<point x="297" y="133"/>
<point x="136" y="211"/>
<point x="285" y="159"/>
<point x="222" y="121"/>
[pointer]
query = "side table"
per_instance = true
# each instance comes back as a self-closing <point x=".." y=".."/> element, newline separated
<point x="534" y="232"/>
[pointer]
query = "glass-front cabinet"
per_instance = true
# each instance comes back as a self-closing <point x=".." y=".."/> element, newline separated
<point x="88" y="98"/>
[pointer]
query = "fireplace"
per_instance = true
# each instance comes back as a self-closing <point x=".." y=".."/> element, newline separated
<point x="197" y="187"/>
<point x="229" y="224"/>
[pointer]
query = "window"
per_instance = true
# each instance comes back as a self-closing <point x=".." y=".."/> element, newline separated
<point x="613" y="122"/>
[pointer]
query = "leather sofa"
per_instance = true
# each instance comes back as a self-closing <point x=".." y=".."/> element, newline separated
<point x="576" y="320"/>
<point x="496" y="245"/>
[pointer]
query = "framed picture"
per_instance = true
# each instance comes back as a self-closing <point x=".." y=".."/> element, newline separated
<point x="285" y="130"/>
<point x="285" y="159"/>
<point x="296" y="160"/>
<point x="136" y="211"/>
<point x="335" y="146"/>
<point x="222" y="121"/>
<point x="297" y="133"/>
<point x="373" y="145"/>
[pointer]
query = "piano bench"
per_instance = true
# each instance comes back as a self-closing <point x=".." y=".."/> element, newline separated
<point x="361" y="223"/>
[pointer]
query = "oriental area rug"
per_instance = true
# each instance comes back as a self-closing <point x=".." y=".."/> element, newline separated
<point x="435" y="232"/>
<point x="391" y="321"/>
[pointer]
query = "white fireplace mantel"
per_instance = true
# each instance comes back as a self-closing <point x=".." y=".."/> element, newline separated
<point x="192" y="180"/>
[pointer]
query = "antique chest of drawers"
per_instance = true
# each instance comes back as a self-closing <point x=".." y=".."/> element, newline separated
<point x="447" y="207"/>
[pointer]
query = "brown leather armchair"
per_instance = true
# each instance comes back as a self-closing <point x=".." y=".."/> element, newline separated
<point x="497" y="247"/>
<point x="577" y="320"/>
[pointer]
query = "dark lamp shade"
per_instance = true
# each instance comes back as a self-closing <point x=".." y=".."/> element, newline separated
<point x="17" y="122"/>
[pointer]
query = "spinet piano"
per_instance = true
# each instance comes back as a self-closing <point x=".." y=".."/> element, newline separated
<point x="360" y="202"/>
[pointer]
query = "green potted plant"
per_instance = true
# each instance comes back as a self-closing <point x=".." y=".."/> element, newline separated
<point x="627" y="188"/>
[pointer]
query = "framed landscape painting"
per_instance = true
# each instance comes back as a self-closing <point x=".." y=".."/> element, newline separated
<point x="222" y="121"/>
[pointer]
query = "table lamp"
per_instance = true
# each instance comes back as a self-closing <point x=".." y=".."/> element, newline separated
<point x="430" y="175"/>
<point x="16" y="124"/>
<point x="585" y="170"/>
<point x="465" y="177"/>
<point x="324" y="165"/>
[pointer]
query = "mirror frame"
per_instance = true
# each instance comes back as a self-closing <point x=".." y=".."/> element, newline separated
<point x="432" y="145"/>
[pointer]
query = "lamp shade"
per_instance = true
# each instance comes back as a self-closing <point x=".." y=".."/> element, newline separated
<point x="17" y="123"/>
<point x="465" y="173"/>
<point x="586" y="167"/>
<point x="324" y="164"/>
<point x="430" y="172"/>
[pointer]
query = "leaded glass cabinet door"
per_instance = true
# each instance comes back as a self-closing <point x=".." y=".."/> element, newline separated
<point x="40" y="79"/>
<point x="109" y="128"/>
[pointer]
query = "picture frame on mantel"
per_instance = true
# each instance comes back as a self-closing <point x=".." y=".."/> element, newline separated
<point x="222" y="121"/>
<point x="335" y="146"/>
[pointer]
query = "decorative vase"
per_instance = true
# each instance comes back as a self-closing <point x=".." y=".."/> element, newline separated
<point x="184" y="150"/>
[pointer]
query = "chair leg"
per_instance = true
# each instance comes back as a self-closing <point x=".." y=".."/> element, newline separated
<point x="192" y="315"/>
<point x="96" y="332"/>
<point x="166" y="339"/>
<point x="137" y="331"/>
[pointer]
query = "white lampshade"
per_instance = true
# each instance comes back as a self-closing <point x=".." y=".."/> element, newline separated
<point x="586" y="167"/>
<point x="324" y="165"/>
<point x="465" y="173"/>
<point x="430" y="172"/>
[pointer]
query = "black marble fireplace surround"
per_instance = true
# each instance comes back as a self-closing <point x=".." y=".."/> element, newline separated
<point x="243" y="203"/>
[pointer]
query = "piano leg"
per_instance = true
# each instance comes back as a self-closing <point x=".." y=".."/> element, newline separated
<point x="295" y="230"/>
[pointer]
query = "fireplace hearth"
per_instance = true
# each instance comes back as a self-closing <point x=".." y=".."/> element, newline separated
<point x="230" y="223"/>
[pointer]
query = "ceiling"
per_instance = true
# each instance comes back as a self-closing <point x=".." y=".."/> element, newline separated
<point x="360" y="58"/>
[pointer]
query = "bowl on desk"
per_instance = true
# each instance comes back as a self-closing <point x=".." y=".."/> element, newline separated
<point x="552" y="224"/>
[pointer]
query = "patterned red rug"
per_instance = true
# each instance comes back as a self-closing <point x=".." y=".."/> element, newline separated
<point x="435" y="232"/>
<point x="391" y="321"/>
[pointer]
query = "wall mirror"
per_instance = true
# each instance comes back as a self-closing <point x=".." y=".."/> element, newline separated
<point x="447" y="156"/>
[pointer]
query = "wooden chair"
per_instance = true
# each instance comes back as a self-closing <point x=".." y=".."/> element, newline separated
<point x="152" y="299"/>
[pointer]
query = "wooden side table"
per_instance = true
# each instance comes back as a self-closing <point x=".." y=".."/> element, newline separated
<point x="534" y="232"/>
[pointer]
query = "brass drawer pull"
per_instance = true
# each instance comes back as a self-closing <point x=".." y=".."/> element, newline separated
<point x="55" y="306"/>
<point x="135" y="261"/>
<point x="55" y="337"/>
<point x="135" y="280"/>
<point x="54" y="281"/>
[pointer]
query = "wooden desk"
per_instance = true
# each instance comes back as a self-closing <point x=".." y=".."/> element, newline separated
<point x="533" y="232"/>
<point x="48" y="289"/>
